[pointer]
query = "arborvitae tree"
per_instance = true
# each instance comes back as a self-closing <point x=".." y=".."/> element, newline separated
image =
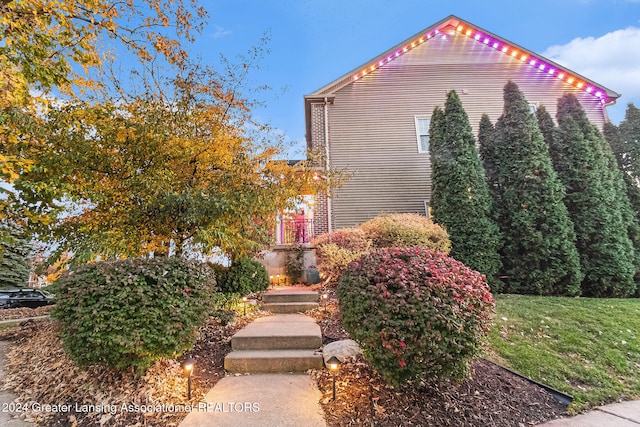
<point x="14" y="252"/>
<point x="596" y="200"/>
<point x="460" y="198"/>
<point x="613" y="137"/>
<point x="539" y="252"/>
<point x="627" y="147"/>
<point x="488" y="154"/>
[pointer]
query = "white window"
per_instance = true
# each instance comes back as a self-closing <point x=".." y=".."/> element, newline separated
<point x="533" y="107"/>
<point x="422" y="133"/>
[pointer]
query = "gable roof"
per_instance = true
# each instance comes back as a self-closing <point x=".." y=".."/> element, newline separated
<point x="453" y="23"/>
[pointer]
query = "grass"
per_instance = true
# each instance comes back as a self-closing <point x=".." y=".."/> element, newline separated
<point x="586" y="347"/>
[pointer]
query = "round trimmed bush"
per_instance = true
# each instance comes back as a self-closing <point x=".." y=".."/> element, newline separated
<point x="417" y="314"/>
<point x="334" y="251"/>
<point x="404" y="230"/>
<point x="128" y="313"/>
<point x="245" y="276"/>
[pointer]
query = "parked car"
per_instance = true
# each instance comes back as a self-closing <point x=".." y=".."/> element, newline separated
<point x="32" y="298"/>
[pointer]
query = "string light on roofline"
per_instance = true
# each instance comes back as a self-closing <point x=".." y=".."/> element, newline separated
<point x="489" y="41"/>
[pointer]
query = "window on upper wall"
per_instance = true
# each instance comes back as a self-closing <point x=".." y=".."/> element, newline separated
<point x="422" y="133"/>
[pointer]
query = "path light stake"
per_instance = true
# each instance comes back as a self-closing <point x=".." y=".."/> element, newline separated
<point x="244" y="305"/>
<point x="334" y="366"/>
<point x="325" y="297"/>
<point x="187" y="366"/>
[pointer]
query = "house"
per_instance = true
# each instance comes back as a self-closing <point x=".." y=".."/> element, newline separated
<point x="374" y="120"/>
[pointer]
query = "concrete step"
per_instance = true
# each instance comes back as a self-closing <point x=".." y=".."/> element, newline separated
<point x="271" y="361"/>
<point x="280" y="332"/>
<point x="280" y="296"/>
<point x="289" y="307"/>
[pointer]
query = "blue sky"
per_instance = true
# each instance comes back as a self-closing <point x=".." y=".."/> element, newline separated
<point x="313" y="42"/>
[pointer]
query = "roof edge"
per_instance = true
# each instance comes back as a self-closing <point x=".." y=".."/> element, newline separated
<point x="609" y="97"/>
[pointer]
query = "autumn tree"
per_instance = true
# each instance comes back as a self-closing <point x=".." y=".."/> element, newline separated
<point x="161" y="175"/>
<point x="60" y="49"/>
<point x="539" y="253"/>
<point x="595" y="198"/>
<point x="460" y="198"/>
<point x="175" y="161"/>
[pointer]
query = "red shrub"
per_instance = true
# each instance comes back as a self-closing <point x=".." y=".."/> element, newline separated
<point x="417" y="314"/>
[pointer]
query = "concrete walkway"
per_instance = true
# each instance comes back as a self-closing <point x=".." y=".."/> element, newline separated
<point x="260" y="400"/>
<point x="624" y="414"/>
<point x="269" y="350"/>
<point x="6" y="398"/>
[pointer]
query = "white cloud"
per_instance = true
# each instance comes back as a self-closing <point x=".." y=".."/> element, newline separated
<point x="220" y="32"/>
<point x="611" y="60"/>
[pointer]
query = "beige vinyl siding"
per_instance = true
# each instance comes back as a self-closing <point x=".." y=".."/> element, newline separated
<point x="372" y="129"/>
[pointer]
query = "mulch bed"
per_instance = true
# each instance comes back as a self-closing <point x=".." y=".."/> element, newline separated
<point x="491" y="396"/>
<point x="23" y="312"/>
<point x="38" y="370"/>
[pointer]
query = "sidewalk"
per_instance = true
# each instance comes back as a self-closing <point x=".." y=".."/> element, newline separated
<point x="6" y="398"/>
<point x="624" y="414"/>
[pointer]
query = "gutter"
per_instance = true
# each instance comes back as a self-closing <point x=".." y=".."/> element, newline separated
<point x="327" y="161"/>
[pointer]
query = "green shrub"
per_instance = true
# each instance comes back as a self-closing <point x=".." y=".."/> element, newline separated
<point x="126" y="314"/>
<point x="245" y="276"/>
<point x="405" y="230"/>
<point x="221" y="272"/>
<point x="334" y="251"/>
<point x="226" y="306"/>
<point x="417" y="314"/>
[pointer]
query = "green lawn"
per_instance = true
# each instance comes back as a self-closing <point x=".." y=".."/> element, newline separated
<point x="586" y="347"/>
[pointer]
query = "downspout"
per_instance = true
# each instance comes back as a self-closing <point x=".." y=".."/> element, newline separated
<point x="327" y="161"/>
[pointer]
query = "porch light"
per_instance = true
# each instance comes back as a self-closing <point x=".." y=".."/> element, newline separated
<point x="187" y="367"/>
<point x="333" y="364"/>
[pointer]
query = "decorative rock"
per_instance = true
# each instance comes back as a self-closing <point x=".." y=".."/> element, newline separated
<point x="342" y="350"/>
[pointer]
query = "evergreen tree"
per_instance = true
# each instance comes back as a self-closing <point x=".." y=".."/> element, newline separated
<point x="488" y="154"/>
<point x="460" y="195"/>
<point x="627" y="146"/>
<point x="613" y="137"/>
<point x="14" y="252"/>
<point x="539" y="252"/>
<point x="596" y="200"/>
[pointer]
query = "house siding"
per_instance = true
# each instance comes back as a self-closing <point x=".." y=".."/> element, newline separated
<point x="372" y="129"/>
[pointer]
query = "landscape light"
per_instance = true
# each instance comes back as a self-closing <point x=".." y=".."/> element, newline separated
<point x="187" y="367"/>
<point x="333" y="364"/>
